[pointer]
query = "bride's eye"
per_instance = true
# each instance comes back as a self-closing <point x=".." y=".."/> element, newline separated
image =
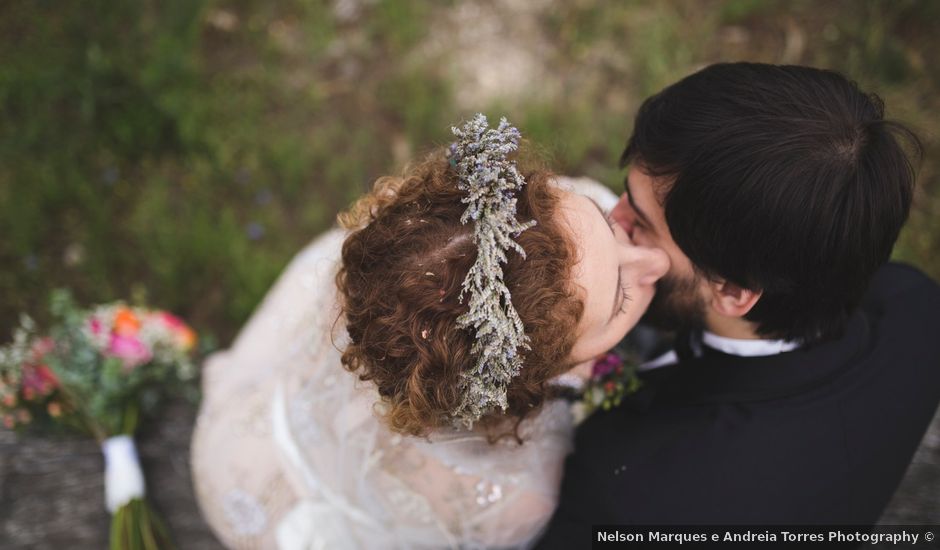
<point x="624" y="290"/>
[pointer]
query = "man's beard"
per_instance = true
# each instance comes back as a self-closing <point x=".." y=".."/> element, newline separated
<point x="677" y="304"/>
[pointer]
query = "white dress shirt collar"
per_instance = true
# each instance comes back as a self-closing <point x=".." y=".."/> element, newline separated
<point x="747" y="348"/>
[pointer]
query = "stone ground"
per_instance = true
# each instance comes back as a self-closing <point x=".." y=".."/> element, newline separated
<point x="51" y="492"/>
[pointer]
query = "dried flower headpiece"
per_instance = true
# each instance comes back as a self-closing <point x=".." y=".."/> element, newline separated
<point x="490" y="180"/>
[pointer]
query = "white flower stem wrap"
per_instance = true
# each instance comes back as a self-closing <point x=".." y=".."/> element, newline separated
<point x="490" y="180"/>
<point x="123" y="478"/>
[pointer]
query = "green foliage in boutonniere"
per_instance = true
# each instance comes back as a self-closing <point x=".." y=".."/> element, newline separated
<point x="612" y="377"/>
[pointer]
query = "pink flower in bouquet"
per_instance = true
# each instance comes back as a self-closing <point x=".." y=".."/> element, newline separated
<point x="47" y="379"/>
<point x="94" y="324"/>
<point x="41" y="347"/>
<point x="38" y="379"/>
<point x="183" y="335"/>
<point x="130" y="350"/>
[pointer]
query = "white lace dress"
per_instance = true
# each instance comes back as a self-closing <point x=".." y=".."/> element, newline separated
<point x="288" y="452"/>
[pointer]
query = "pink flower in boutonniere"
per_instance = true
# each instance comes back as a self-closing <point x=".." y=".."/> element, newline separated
<point x="606" y="364"/>
<point x="130" y="350"/>
<point x="612" y="378"/>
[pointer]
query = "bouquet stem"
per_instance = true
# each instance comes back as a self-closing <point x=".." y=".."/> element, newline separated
<point x="99" y="372"/>
<point x="135" y="526"/>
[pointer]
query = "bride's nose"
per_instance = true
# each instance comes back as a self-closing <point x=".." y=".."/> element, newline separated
<point x="651" y="263"/>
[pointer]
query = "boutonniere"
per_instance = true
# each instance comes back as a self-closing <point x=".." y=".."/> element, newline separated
<point x="612" y="378"/>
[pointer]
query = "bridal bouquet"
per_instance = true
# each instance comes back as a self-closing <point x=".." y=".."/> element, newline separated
<point x="98" y="371"/>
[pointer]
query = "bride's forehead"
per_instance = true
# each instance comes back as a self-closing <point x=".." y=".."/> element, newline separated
<point x="591" y="274"/>
<point x="585" y="225"/>
<point x="581" y="216"/>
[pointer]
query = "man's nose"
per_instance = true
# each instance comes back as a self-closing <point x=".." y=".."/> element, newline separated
<point x="624" y="215"/>
<point x="653" y="263"/>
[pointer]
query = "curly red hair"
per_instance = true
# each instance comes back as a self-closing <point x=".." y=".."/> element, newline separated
<point x="403" y="264"/>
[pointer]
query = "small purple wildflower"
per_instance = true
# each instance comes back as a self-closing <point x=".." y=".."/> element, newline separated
<point x="254" y="230"/>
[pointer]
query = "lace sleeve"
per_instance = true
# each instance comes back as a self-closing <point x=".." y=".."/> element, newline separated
<point x="487" y="495"/>
<point x="451" y="490"/>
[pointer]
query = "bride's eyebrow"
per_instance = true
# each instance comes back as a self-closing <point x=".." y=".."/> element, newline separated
<point x="603" y="215"/>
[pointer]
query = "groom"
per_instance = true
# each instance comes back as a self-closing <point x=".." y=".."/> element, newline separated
<point x="806" y="368"/>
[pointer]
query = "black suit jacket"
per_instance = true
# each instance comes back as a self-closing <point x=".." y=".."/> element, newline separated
<point x="821" y="435"/>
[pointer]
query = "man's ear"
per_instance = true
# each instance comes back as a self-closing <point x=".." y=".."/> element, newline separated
<point x="731" y="300"/>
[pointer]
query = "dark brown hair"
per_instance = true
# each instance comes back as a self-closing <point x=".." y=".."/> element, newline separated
<point x="403" y="264"/>
<point x="784" y="179"/>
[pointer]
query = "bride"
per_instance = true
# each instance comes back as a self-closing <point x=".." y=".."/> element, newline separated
<point x="394" y="388"/>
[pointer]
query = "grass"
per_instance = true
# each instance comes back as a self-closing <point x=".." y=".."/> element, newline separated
<point x="182" y="151"/>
